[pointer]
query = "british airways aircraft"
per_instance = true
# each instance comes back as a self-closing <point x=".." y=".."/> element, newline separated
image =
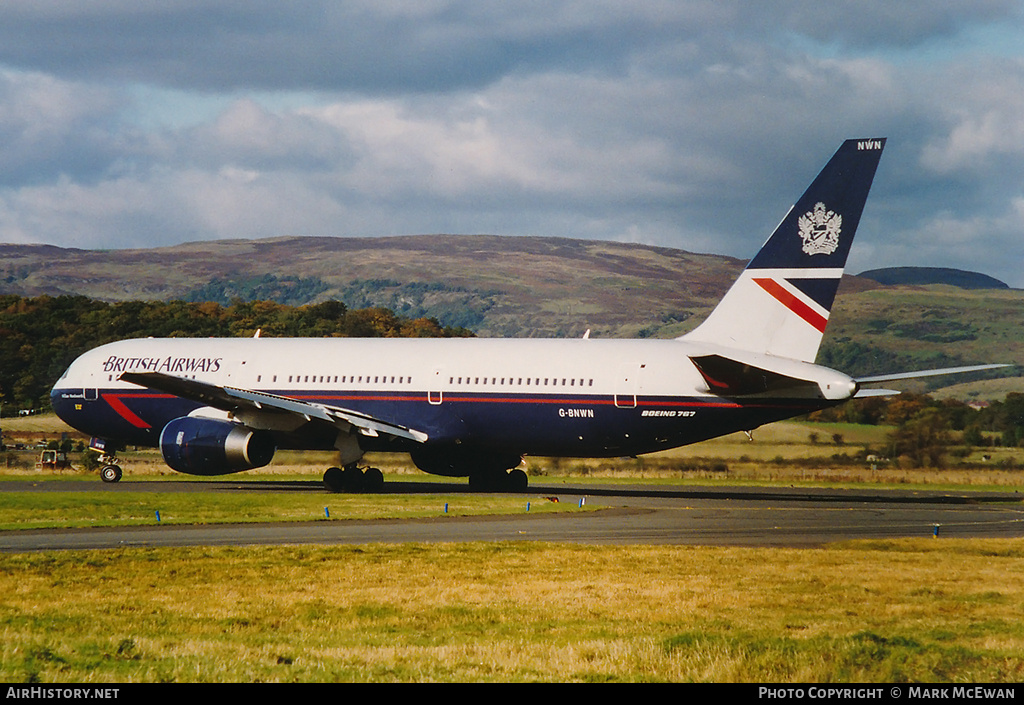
<point x="476" y="407"/>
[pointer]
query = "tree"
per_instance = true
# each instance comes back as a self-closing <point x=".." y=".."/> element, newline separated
<point x="973" y="436"/>
<point x="922" y="439"/>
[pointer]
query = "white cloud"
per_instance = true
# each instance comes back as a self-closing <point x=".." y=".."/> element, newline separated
<point x="50" y="127"/>
<point x="983" y="121"/>
<point x="948" y="239"/>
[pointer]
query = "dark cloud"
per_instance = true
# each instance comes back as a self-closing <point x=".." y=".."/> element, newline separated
<point x="395" y="47"/>
<point x="52" y="129"/>
<point x="375" y="48"/>
<point x="879" y="23"/>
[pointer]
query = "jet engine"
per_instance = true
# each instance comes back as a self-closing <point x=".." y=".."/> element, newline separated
<point x="198" y="446"/>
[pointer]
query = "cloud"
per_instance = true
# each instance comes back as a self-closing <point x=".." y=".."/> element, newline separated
<point x="50" y="128"/>
<point x="877" y="23"/>
<point x="380" y="48"/>
<point x="687" y="124"/>
<point x="985" y="123"/>
<point x="370" y="47"/>
<point x="951" y="239"/>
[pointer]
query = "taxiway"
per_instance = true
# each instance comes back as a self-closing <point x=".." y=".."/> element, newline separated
<point x="633" y="514"/>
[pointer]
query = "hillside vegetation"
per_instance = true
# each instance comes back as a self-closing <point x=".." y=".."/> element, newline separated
<point x="502" y="286"/>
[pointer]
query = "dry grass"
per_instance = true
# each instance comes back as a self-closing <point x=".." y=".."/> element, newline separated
<point x="884" y="611"/>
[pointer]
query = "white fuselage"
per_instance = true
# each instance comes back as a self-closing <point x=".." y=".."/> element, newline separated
<point x="579" y="397"/>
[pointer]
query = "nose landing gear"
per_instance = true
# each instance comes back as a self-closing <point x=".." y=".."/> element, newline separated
<point x="110" y="473"/>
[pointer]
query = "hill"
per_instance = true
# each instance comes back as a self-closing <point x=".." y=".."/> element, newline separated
<point x="917" y="276"/>
<point x="533" y="287"/>
<point x="497" y="286"/>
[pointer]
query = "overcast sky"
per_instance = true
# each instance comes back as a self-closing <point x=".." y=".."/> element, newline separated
<point x="684" y="123"/>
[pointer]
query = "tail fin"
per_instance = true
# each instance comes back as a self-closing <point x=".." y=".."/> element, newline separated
<point x="781" y="302"/>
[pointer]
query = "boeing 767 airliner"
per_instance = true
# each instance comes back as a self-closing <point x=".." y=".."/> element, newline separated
<point x="476" y="407"/>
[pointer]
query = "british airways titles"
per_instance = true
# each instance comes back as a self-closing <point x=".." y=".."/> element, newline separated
<point x="167" y="364"/>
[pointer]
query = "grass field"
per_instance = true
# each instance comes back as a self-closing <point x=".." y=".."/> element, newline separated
<point x="27" y="510"/>
<point x="894" y="611"/>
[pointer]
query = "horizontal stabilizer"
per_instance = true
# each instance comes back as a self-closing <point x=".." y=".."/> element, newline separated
<point x="729" y="378"/>
<point x="927" y="373"/>
<point x="864" y="393"/>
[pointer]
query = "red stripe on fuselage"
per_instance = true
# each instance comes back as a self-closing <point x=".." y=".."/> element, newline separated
<point x="127" y="414"/>
<point x="794" y="304"/>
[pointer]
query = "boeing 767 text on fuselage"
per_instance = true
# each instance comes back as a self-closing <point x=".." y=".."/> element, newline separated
<point x="476" y="407"/>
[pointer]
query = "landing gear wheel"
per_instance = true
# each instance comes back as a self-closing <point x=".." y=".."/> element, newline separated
<point x="373" y="480"/>
<point x="517" y="481"/>
<point x="110" y="473"/>
<point x="334" y="480"/>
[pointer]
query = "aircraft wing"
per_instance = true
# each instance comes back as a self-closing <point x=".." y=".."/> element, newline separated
<point x="233" y="399"/>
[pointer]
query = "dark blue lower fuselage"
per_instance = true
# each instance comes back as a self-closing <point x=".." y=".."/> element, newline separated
<point x="534" y="424"/>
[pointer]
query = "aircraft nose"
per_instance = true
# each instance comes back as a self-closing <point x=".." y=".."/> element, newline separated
<point x="61" y="397"/>
<point x="60" y="403"/>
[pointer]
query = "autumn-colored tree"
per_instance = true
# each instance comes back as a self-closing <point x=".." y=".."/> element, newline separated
<point x="922" y="440"/>
<point x="903" y="408"/>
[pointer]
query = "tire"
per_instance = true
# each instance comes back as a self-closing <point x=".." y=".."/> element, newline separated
<point x="110" y="473"/>
<point x="352" y="479"/>
<point x="517" y="481"/>
<point x="373" y="480"/>
<point x="334" y="480"/>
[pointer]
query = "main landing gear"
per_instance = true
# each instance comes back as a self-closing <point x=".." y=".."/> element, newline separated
<point x="351" y="479"/>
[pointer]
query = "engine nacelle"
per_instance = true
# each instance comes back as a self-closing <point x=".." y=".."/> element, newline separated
<point x="198" y="446"/>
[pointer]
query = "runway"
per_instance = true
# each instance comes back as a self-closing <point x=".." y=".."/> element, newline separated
<point x="634" y="514"/>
